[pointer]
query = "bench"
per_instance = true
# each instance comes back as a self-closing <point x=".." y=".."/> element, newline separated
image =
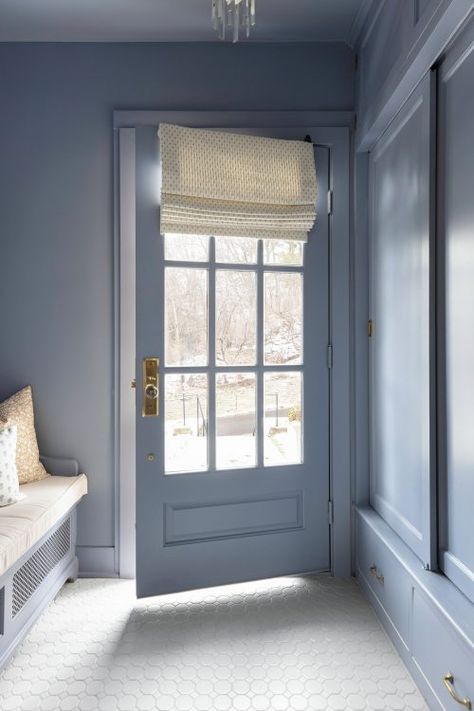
<point x="37" y="548"/>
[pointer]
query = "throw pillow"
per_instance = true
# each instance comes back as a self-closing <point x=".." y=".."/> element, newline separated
<point x="9" y="486"/>
<point x="18" y="410"/>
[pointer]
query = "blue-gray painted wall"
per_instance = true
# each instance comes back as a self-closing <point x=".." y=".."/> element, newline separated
<point x="56" y="211"/>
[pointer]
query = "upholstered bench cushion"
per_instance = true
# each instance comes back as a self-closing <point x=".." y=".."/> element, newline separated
<point x="44" y="503"/>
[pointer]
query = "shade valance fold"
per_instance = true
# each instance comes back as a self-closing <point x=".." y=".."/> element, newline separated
<point x="235" y="185"/>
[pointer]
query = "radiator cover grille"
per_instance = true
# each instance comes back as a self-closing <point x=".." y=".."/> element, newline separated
<point x="32" y="573"/>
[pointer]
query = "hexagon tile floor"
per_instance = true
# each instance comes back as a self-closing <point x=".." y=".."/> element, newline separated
<point x="294" y="643"/>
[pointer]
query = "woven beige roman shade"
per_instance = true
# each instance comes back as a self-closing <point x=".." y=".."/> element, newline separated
<point x="227" y="184"/>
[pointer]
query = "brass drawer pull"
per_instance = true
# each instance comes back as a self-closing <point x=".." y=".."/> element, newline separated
<point x="377" y="576"/>
<point x="448" y="681"/>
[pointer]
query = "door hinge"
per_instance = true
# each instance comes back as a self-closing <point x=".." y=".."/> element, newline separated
<point x="330" y="513"/>
<point x="329" y="202"/>
<point x="370" y="328"/>
<point x="329" y="355"/>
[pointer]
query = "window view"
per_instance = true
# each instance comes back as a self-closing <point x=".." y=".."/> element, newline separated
<point x="186" y="422"/>
<point x="236" y="250"/>
<point x="236" y="317"/>
<point x="235" y="420"/>
<point x="283" y="252"/>
<point x="186" y="306"/>
<point x="187" y="248"/>
<point x="283" y="318"/>
<point x="282" y="418"/>
<point x="253" y="292"/>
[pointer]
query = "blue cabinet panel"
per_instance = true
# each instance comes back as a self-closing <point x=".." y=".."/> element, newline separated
<point x="456" y="234"/>
<point x="385" y="576"/>
<point x="400" y="221"/>
<point x="438" y="651"/>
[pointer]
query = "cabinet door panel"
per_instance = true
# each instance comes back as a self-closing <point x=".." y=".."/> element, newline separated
<point x="439" y="650"/>
<point x="456" y="241"/>
<point x="385" y="576"/>
<point x="401" y="461"/>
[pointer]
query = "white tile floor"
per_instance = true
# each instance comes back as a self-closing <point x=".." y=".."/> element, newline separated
<point x="293" y="643"/>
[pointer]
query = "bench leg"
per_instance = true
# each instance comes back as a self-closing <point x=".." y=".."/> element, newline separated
<point x="75" y="572"/>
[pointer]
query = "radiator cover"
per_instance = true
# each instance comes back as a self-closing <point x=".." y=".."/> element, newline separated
<point x="32" y="573"/>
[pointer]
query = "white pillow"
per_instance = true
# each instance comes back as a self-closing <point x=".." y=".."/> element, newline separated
<point x="9" y="486"/>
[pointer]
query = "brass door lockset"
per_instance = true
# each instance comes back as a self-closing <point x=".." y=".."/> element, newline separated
<point x="151" y="387"/>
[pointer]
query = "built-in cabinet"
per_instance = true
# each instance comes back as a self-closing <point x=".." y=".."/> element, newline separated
<point x="429" y="620"/>
<point x="415" y="541"/>
<point x="400" y="219"/>
<point x="456" y="300"/>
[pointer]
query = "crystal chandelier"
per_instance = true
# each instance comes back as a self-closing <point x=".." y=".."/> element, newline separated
<point x="233" y="15"/>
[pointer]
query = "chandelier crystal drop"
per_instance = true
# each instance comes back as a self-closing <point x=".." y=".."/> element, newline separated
<point x="232" y="16"/>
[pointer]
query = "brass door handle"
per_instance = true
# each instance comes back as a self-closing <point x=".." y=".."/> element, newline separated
<point x="151" y="387"/>
<point x="377" y="576"/>
<point x="151" y="392"/>
<point x="448" y="681"/>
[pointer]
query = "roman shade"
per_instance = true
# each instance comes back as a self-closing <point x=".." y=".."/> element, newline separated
<point x="227" y="184"/>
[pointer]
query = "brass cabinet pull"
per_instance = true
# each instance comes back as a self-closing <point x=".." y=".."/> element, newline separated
<point x="448" y="681"/>
<point x="377" y="576"/>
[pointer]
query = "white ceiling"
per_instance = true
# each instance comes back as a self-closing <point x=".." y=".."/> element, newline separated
<point x="174" y="20"/>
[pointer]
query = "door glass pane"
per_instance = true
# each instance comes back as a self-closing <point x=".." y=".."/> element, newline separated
<point x="235" y="420"/>
<point x="186" y="300"/>
<point x="236" y="317"/>
<point x="186" y="422"/>
<point x="283" y="418"/>
<point x="283" y="318"/>
<point x="236" y="250"/>
<point x="281" y="251"/>
<point x="187" y="248"/>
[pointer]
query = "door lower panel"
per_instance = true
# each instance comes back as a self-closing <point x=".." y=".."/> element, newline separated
<point x="227" y="519"/>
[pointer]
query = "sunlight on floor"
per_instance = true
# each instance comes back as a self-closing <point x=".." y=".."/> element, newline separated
<point x="308" y="643"/>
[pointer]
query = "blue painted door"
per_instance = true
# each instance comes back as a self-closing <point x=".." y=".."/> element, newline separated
<point x="233" y="474"/>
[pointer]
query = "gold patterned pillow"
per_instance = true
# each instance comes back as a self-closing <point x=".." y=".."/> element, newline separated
<point x="18" y="410"/>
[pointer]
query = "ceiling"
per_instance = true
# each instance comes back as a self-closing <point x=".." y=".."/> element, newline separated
<point x="174" y="20"/>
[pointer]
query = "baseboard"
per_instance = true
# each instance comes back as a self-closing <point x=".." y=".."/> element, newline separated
<point x="96" y="561"/>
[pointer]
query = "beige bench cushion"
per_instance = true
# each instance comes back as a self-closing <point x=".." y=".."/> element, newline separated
<point x="44" y="503"/>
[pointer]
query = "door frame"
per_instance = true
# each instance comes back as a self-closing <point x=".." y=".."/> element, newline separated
<point x="337" y="139"/>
